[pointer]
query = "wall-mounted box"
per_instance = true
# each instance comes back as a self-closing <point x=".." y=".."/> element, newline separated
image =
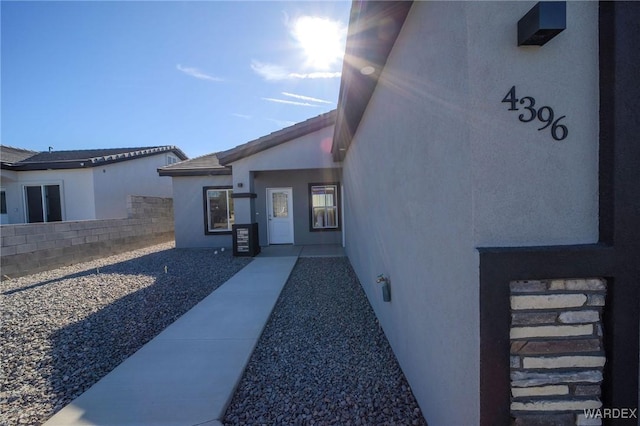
<point x="543" y="22"/>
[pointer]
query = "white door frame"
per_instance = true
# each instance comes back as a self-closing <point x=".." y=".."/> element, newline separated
<point x="269" y="208"/>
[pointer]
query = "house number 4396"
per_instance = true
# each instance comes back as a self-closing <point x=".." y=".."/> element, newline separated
<point x="544" y="114"/>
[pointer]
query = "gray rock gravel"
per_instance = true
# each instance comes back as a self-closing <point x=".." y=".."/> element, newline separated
<point x="323" y="359"/>
<point x="64" y="329"/>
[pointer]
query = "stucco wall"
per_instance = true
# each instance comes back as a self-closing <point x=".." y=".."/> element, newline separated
<point x="76" y="191"/>
<point x="189" y="212"/>
<point x="299" y="181"/>
<point x="7" y="178"/>
<point x="311" y="151"/>
<point x="530" y="189"/>
<point x="114" y="182"/>
<point x="439" y="166"/>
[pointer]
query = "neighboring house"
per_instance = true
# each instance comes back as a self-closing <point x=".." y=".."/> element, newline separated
<point x="9" y="155"/>
<point x="286" y="182"/>
<point x="464" y="168"/>
<point x="80" y="184"/>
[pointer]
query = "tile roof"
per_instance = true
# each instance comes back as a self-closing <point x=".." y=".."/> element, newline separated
<point x="9" y="154"/>
<point x="205" y="165"/>
<point x="276" y="138"/>
<point x="74" y="159"/>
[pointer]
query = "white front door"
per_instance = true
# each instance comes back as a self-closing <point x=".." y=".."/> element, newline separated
<point x="280" y="215"/>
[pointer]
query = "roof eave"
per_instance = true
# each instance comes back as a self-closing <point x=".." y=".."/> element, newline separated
<point x="53" y="165"/>
<point x="181" y="155"/>
<point x="195" y="172"/>
<point x="373" y="29"/>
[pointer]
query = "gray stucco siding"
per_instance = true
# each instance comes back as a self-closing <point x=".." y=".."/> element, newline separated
<point x="299" y="181"/>
<point x="311" y="151"/>
<point x="530" y="189"/>
<point x="439" y="167"/>
<point x="188" y="211"/>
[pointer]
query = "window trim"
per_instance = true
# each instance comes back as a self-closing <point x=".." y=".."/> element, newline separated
<point x="337" y="204"/>
<point x="205" y="200"/>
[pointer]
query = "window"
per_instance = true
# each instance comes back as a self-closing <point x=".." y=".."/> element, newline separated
<point x="43" y="203"/>
<point x="171" y="159"/>
<point x="325" y="200"/>
<point x="3" y="202"/>
<point x="218" y="205"/>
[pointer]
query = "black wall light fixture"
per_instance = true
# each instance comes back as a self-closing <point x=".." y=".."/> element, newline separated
<point x="543" y="22"/>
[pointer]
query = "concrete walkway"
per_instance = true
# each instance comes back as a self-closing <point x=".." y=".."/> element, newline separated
<point x="187" y="375"/>
<point x="319" y="250"/>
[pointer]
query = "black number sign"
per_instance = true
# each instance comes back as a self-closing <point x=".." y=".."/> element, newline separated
<point x="544" y="114"/>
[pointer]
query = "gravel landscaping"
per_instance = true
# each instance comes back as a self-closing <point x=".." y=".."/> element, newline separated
<point x="323" y="358"/>
<point x="64" y="329"/>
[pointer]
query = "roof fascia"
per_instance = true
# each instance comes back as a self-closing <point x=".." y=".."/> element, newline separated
<point x="373" y="29"/>
<point x="178" y="152"/>
<point x="51" y="165"/>
<point x="195" y="172"/>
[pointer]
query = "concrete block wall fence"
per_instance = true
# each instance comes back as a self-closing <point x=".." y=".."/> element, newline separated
<point x="36" y="247"/>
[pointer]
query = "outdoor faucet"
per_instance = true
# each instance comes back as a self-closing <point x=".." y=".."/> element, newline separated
<point x="386" y="287"/>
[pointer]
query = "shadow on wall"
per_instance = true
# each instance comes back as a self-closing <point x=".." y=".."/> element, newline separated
<point x="85" y="351"/>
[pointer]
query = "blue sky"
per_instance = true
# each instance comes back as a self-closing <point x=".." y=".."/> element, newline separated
<point x="204" y="76"/>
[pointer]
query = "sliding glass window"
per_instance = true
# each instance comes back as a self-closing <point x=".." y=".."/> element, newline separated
<point x="43" y="203"/>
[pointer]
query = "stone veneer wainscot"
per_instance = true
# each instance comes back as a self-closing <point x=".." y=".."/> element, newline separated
<point x="557" y="355"/>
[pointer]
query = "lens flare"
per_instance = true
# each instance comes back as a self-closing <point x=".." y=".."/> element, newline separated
<point x="321" y="39"/>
